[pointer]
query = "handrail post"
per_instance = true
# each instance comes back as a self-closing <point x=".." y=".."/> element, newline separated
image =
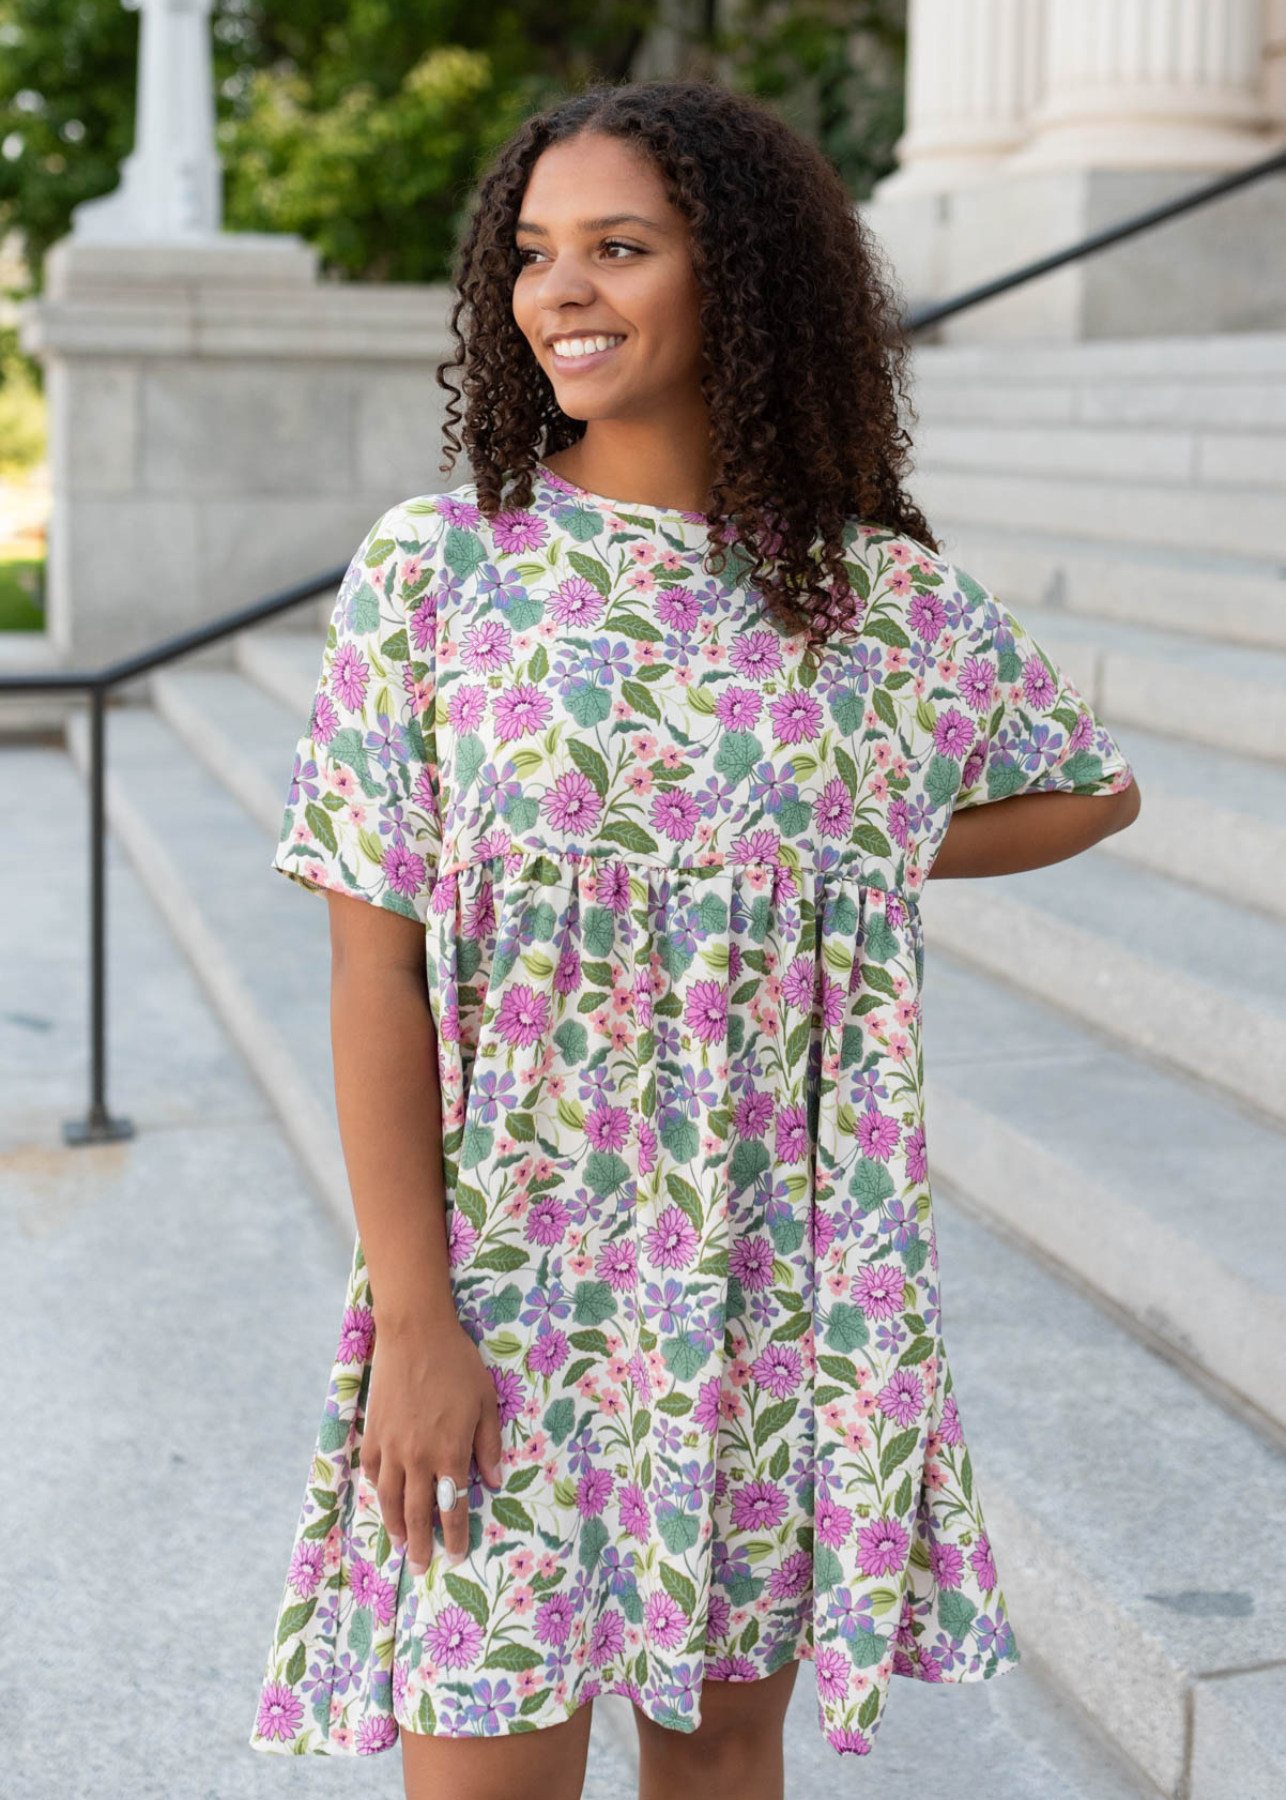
<point x="98" y="1126"/>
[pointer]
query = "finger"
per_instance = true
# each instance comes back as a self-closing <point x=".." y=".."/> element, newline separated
<point x="419" y="1524"/>
<point x="389" y="1493"/>
<point x="487" y="1442"/>
<point x="455" y="1524"/>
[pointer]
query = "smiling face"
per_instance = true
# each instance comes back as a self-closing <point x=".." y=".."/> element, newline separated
<point x="605" y="255"/>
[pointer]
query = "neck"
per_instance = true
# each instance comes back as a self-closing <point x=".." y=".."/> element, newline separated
<point x="665" y="467"/>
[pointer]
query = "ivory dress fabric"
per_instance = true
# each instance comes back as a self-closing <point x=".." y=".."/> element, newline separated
<point x="669" y="880"/>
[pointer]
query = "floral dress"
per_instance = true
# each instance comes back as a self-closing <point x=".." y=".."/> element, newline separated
<point x="669" y="878"/>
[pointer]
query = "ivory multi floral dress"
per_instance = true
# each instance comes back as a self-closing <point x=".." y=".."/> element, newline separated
<point x="669" y="878"/>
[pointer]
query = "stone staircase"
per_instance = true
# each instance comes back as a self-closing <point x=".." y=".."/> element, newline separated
<point x="1107" y="1044"/>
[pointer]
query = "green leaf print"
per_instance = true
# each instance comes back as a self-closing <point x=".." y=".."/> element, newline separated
<point x="640" y="699"/>
<point x="588" y="703"/>
<point x="772" y="1420"/>
<point x="684" y="1358"/>
<point x="514" y="1656"/>
<point x="897" y="1450"/>
<point x="956" y="1613"/>
<point x="629" y="625"/>
<point x="319" y="823"/>
<point x="294" y="1618"/>
<point x="594" y="1302"/>
<point x="560" y="1415"/>
<point x="674" y="1405"/>
<point x="463" y="550"/>
<point x="396" y="647"/>
<point x="598" y="926"/>
<point x="916" y="1351"/>
<point x="747" y="1163"/>
<point x="478" y="1140"/>
<point x="468" y="1595"/>
<point x="334" y="1432"/>
<point x="593" y="1541"/>
<point x="942" y="780"/>
<point x="572" y="1040"/>
<point x="678" y="1530"/>
<point x="679" y="1588"/>
<point x="504" y="1257"/>
<point x="737" y="755"/>
<point x="359" y="1632"/>
<point x="591" y="765"/>
<point x="630" y="836"/>
<point x="846" y="1327"/>
<point x="685" y="1196"/>
<point x="297" y="1664"/>
<point x="514" y="1514"/>
<point x="868" y="1712"/>
<point x="827" y="1572"/>
<point x="592" y="570"/>
<point x="867" y="1648"/>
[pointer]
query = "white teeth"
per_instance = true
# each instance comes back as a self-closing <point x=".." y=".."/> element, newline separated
<point x="584" y="346"/>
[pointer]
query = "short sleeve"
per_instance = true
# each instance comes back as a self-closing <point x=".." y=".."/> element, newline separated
<point x="362" y="814"/>
<point x="1033" y="730"/>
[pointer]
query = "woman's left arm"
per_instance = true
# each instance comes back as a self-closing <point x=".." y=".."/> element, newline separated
<point x="1026" y="831"/>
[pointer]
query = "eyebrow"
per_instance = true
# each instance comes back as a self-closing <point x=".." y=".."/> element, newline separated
<point x="603" y="224"/>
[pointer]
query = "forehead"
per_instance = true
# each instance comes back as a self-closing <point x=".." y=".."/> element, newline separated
<point x="589" y="179"/>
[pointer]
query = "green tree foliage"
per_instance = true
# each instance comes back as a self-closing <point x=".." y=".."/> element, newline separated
<point x="362" y="124"/>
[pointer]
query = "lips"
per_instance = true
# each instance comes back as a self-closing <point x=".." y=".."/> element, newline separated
<point x="570" y="364"/>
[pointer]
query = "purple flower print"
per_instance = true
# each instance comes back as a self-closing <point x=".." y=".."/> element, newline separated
<point x="634" y="1514"/>
<point x="1039" y="687"/>
<point x="949" y="1430"/>
<point x="753" y="1114"/>
<point x="795" y="1576"/>
<point x="519" y="711"/>
<point x="487" y="647"/>
<point x="607" y="1638"/>
<point x="778" y="1368"/>
<point x="902" y="1397"/>
<point x="405" y="870"/>
<point x="523" y="1016"/>
<point x="665" y="1622"/>
<point x="849" y="1741"/>
<point x="306" y="1567"/>
<point x="593" y="1492"/>
<point x="491" y="1704"/>
<point x="706" y="1411"/>
<point x="376" y="1732"/>
<point x="903" y="1221"/>
<point x="833" y="1522"/>
<point x="797" y="718"/>
<point x="674" y="814"/>
<point x="554" y="1619"/>
<point x="877" y="1135"/>
<point x="833" y="812"/>
<point x="758" y="1506"/>
<point x="423" y="626"/>
<point x="750" y="1259"/>
<point x="466" y="709"/>
<point x="831" y="1671"/>
<point x="980" y="1561"/>
<point x="549" y="1352"/>
<point x="953" y="733"/>
<point x="756" y="655"/>
<point x="572" y="803"/>
<point x="977" y="683"/>
<point x="617" y="1264"/>
<point x="454" y="1638"/>
<point x="705" y="1011"/>
<point x="303" y="780"/>
<point x="462" y="1235"/>
<point x="946" y="1563"/>
<point x="576" y="603"/>
<point x="280" y="1713"/>
<point x="517" y="531"/>
<point x="792" y="1134"/>
<point x="882" y="1547"/>
<point x="349" y="676"/>
<point x="546" y="1220"/>
<point x="672" y="1242"/>
<point x="738" y="708"/>
<point x="878" y="1290"/>
<point x="604" y="660"/>
<point x="325" y="720"/>
<point x="357" y="1333"/>
<point x="926" y="616"/>
<point x="798" y="982"/>
<point x="677" y="608"/>
<point x="510" y="1393"/>
<point x="608" y="1127"/>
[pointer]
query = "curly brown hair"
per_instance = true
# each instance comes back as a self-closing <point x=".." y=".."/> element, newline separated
<point x="803" y="395"/>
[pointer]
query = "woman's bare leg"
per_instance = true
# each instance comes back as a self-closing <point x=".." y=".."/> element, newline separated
<point x="734" y="1754"/>
<point x="548" y="1764"/>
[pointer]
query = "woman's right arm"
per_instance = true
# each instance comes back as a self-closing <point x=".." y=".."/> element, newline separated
<point x="431" y="1401"/>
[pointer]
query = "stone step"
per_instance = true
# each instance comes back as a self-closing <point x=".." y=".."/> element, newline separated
<point x="1234" y="600"/>
<point x="260" y="956"/>
<point x="1128" y="1513"/>
<point x="1152" y="511"/>
<point x="284" y="663"/>
<point x="1194" y="981"/>
<point x="1182" y="456"/>
<point x="1143" y="1186"/>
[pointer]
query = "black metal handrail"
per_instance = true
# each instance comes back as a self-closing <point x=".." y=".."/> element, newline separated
<point x="99" y="1125"/>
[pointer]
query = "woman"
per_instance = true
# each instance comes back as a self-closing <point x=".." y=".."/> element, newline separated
<point x="649" y="735"/>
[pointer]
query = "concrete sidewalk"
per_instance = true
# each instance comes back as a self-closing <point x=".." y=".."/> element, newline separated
<point x="173" y="1302"/>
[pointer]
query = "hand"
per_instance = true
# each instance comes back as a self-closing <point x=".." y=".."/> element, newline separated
<point x="430" y="1403"/>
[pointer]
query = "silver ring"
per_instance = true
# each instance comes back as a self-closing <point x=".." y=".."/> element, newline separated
<point x="448" y="1494"/>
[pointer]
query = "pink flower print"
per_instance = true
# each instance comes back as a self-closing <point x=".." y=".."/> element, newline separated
<point x="607" y="1638"/>
<point x="554" y="1619"/>
<point x="792" y="1134"/>
<point x="576" y="603"/>
<point x="678" y="608"/>
<point x="831" y="1670"/>
<point x="356" y="1335"/>
<point x="834" y="810"/>
<point x="633" y="1513"/>
<point x="674" y="814"/>
<point x="796" y="718"/>
<point x="325" y="720"/>
<point x="902" y="1397"/>
<point x="797" y="983"/>
<point x="758" y="1505"/>
<point x="422" y="628"/>
<point x="349" y="675"/>
<point x="949" y="1430"/>
<point x="516" y="530"/>
<point x="461" y="513"/>
<point x="1038" y="685"/>
<point x="608" y="1127"/>
<point x="794" y="1576"/>
<point x="926" y="616"/>
<point x="487" y="646"/>
<point x="376" y="1733"/>
<point x="672" y="1242"/>
<point x="572" y="803"/>
<point x="750" y="1260"/>
<point x="980" y="1561"/>
<point x="832" y="1522"/>
<point x="946" y="1564"/>
<point x="405" y="870"/>
<point x="756" y="655"/>
<point x="953" y="733"/>
<point x="665" y="1621"/>
<point x="778" y="1368"/>
<point x="882" y="1547"/>
<point x="737" y="708"/>
<point x="520" y="710"/>
<point x="617" y="1266"/>
<point x="306" y="1567"/>
<point x="510" y="1393"/>
<point x="705" y="1011"/>
<point x="523" y="1015"/>
<point x="878" y="1289"/>
<point x="829" y="1009"/>
<point x="593" y="1492"/>
<point x="976" y="683"/>
<point x="466" y="709"/>
<point x="280" y="1712"/>
<point x="548" y="1354"/>
<point x="547" y="1220"/>
<point x="877" y="1134"/>
<point x="706" y="1411"/>
<point x="753" y="1114"/>
<point x="462" y="1235"/>
<point x="454" y="1638"/>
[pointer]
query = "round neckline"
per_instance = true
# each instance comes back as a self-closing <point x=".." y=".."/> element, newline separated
<point x="563" y="485"/>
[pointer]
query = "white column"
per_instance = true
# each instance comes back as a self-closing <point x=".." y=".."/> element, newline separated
<point x="972" y="72"/>
<point x="1149" y="84"/>
<point x="171" y="184"/>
